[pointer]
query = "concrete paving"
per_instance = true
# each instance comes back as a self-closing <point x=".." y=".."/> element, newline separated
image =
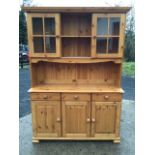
<point x="126" y="147"/>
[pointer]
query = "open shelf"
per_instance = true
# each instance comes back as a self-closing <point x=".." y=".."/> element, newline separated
<point x="82" y="88"/>
<point x="76" y="24"/>
<point x="103" y="74"/>
<point x="76" y="47"/>
<point x="75" y="36"/>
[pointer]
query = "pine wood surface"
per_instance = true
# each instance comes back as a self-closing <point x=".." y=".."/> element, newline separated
<point x="75" y="88"/>
<point x="75" y="74"/>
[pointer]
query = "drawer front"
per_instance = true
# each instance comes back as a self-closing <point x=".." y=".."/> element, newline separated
<point x="107" y="97"/>
<point x="45" y="96"/>
<point x="75" y="97"/>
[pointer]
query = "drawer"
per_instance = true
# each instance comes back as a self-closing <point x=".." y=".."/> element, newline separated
<point x="106" y="97"/>
<point x="45" y="96"/>
<point x="75" y="97"/>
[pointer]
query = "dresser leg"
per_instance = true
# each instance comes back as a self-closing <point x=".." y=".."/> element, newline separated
<point x="116" y="141"/>
<point x="35" y="140"/>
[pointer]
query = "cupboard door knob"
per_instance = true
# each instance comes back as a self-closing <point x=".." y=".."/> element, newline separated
<point x="106" y="97"/>
<point x="88" y="120"/>
<point x="93" y="120"/>
<point x="76" y="97"/>
<point x="57" y="36"/>
<point x="45" y="96"/>
<point x="58" y="119"/>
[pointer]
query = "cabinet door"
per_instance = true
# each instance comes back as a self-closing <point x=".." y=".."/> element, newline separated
<point x="44" y="35"/>
<point x="103" y="118"/>
<point x="76" y="118"/>
<point x="108" y="35"/>
<point x="46" y="118"/>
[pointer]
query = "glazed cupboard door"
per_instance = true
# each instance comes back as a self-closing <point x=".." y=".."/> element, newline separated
<point x="108" y="35"/>
<point x="103" y="118"/>
<point x="46" y="118"/>
<point x="76" y="119"/>
<point x="44" y="35"/>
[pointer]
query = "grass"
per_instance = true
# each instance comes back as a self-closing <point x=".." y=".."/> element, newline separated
<point x="129" y="69"/>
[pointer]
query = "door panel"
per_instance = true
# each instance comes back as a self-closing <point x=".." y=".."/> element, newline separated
<point x="46" y="118"/>
<point x="108" y="33"/>
<point x="44" y="35"/>
<point x="76" y="119"/>
<point x="103" y="118"/>
<point x="40" y="118"/>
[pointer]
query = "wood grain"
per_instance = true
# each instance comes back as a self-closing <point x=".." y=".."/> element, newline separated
<point x="75" y="92"/>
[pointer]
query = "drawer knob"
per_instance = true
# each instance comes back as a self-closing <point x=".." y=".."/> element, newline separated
<point x="76" y="97"/>
<point x="58" y="119"/>
<point x="88" y="120"/>
<point x="45" y="97"/>
<point x="106" y="97"/>
<point x="93" y="120"/>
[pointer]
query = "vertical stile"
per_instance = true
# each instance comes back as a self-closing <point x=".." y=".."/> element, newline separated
<point x="108" y="34"/>
<point x="44" y="36"/>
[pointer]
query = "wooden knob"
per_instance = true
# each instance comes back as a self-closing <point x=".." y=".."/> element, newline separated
<point x="58" y="119"/>
<point x="106" y="97"/>
<point x="57" y="36"/>
<point x="93" y="120"/>
<point x="45" y="96"/>
<point x="76" y="97"/>
<point x="74" y="80"/>
<point x="88" y="120"/>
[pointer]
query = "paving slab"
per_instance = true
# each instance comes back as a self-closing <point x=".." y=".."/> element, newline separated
<point x="126" y="147"/>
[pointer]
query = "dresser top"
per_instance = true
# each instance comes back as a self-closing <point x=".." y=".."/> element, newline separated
<point x="76" y="9"/>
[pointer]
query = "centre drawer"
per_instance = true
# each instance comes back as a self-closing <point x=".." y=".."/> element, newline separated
<point x="45" y="96"/>
<point x="107" y="97"/>
<point x="75" y="97"/>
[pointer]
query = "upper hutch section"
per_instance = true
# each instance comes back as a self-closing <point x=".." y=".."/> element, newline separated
<point x="76" y="32"/>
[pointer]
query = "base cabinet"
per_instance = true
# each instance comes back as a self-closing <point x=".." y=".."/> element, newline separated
<point x="76" y="119"/>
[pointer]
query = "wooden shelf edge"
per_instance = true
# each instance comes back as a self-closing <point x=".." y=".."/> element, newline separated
<point x="106" y="137"/>
<point x="42" y="89"/>
<point x="76" y="60"/>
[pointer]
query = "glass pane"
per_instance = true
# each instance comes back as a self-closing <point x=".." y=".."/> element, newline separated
<point x="38" y="44"/>
<point x="37" y="25"/>
<point x="101" y="45"/>
<point x="50" y="45"/>
<point x="113" y="45"/>
<point x="50" y="26"/>
<point x="102" y="26"/>
<point x="114" y="26"/>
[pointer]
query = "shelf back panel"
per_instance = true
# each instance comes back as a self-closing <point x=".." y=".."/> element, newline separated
<point x="76" y="47"/>
<point x="97" y="73"/>
<point x="76" y="24"/>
